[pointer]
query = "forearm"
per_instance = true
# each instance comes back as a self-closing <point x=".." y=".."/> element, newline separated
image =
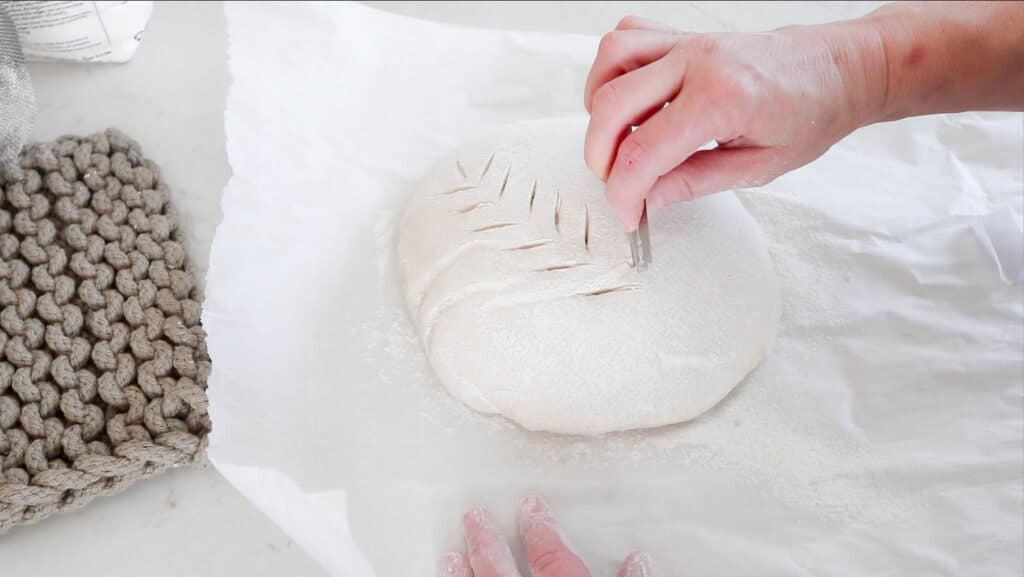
<point x="941" y="57"/>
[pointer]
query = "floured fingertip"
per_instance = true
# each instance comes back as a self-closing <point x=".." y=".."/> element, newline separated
<point x="534" y="505"/>
<point x="533" y="511"/>
<point x="637" y="564"/>
<point x="489" y="553"/>
<point x="479" y="518"/>
<point x="456" y="565"/>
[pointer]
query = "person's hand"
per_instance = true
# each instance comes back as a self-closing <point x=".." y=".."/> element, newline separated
<point x="547" y="551"/>
<point x="772" y="101"/>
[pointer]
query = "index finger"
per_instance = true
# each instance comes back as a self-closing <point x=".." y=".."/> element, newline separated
<point x="657" y="146"/>
<point x="547" y="550"/>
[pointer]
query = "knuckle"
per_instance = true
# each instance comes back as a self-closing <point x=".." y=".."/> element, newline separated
<point x="739" y="84"/>
<point x="627" y="23"/>
<point x="727" y="76"/>
<point x="605" y="98"/>
<point x="705" y="44"/>
<point x="610" y="45"/>
<point x="741" y="89"/>
<point x="680" y="54"/>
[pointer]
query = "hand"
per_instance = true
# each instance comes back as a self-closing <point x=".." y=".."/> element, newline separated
<point x="547" y="551"/>
<point x="773" y="102"/>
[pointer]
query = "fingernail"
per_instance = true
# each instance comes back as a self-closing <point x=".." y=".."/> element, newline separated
<point x="638" y="564"/>
<point x="534" y="511"/>
<point x="534" y="505"/>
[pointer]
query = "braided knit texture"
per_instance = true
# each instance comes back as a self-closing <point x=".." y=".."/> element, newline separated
<point x="103" y="361"/>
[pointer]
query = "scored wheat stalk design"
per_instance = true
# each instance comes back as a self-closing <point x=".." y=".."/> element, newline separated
<point x="531" y="195"/>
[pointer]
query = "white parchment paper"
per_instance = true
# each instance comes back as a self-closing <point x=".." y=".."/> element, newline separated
<point x="884" y="435"/>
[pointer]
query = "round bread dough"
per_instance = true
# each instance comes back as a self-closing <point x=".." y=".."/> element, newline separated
<point x="517" y="277"/>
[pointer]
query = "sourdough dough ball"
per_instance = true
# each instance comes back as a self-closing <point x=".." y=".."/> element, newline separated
<point x="517" y="277"/>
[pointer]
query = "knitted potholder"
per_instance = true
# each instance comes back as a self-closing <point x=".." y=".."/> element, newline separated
<point x="103" y="361"/>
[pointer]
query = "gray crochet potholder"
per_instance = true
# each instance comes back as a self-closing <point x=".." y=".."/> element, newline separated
<point x="103" y="361"/>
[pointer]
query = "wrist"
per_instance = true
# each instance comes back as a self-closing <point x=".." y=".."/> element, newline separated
<point x="943" y="57"/>
<point x="858" y="51"/>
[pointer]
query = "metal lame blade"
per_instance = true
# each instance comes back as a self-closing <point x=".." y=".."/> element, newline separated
<point x="640" y="243"/>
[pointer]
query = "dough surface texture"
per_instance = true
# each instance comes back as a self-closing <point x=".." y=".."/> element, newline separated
<point x="517" y="278"/>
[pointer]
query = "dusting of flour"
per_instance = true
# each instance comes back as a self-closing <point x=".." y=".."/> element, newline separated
<point x="805" y="463"/>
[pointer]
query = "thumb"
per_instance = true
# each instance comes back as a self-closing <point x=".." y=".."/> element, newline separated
<point x="713" y="171"/>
